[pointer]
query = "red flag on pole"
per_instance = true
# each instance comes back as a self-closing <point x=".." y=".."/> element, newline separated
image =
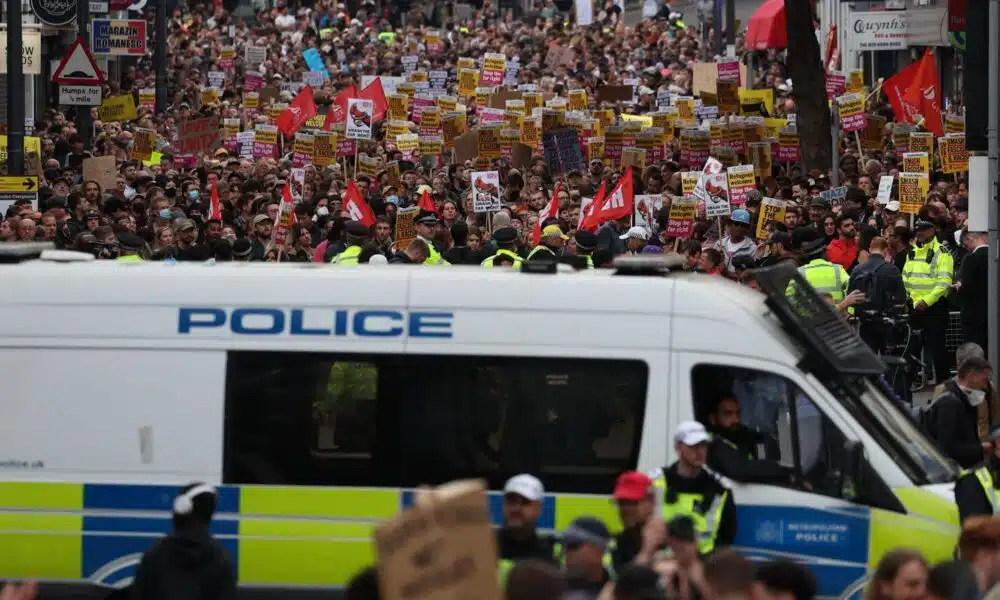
<point x="376" y="94"/>
<point x="586" y="217"/>
<point x="925" y="93"/>
<point x="338" y="111"/>
<point x="618" y="204"/>
<point x="356" y="206"/>
<point x="426" y="203"/>
<point x="215" y="209"/>
<point x="298" y="112"/>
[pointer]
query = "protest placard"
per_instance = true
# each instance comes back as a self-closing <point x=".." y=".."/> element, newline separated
<point x="198" y="135"/>
<point x="741" y="182"/>
<point x="921" y="141"/>
<point x="954" y="155"/>
<point x="143" y="144"/>
<point x="913" y="188"/>
<point x="851" y="109"/>
<point x="689" y="180"/>
<point x="680" y="220"/>
<point x="118" y="108"/>
<point x="486" y="193"/>
<point x="101" y="169"/>
<point x="759" y="154"/>
<point x="646" y="208"/>
<point x="324" y="148"/>
<point x="265" y="143"/>
<point x="716" y="190"/>
<point x="406" y="229"/>
<point x="916" y="162"/>
<point x="771" y="210"/>
<point x="788" y="145"/>
<point x="359" y="119"/>
<point x="885" y="189"/>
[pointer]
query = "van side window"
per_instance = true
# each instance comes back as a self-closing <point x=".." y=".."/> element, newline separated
<point x="297" y="418"/>
<point x="777" y="422"/>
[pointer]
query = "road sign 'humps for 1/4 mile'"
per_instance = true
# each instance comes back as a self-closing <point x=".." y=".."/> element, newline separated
<point x="118" y="38"/>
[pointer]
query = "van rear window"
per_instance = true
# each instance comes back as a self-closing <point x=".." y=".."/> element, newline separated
<point x="297" y="418"/>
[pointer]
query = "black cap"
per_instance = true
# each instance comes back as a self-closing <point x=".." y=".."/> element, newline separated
<point x="129" y="241"/>
<point x="587" y="530"/>
<point x="57" y="202"/>
<point x="819" y="203"/>
<point x="586" y="240"/>
<point x="780" y="237"/>
<point x="922" y="224"/>
<point x="505" y="235"/>
<point x="426" y="217"/>
<point x="356" y="228"/>
<point x="241" y="248"/>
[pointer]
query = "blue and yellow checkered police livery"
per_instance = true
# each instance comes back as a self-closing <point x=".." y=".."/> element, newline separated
<point x="277" y="536"/>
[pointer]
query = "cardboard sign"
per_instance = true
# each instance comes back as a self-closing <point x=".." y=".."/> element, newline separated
<point x="647" y="206"/>
<point x="728" y="99"/>
<point x="486" y="192"/>
<point x="324" y="149"/>
<point x="788" y="145"/>
<point x="443" y="548"/>
<point x="359" y="119"/>
<point x="885" y="189"/>
<point x="913" y="188"/>
<point x="118" y="108"/>
<point x="101" y="169"/>
<point x="922" y="141"/>
<point x="916" y="162"/>
<point x="406" y="228"/>
<point x="759" y="154"/>
<point x="771" y="209"/>
<point x="614" y="93"/>
<point x="198" y="135"/>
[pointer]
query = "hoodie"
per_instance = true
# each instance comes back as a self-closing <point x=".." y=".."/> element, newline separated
<point x="187" y="565"/>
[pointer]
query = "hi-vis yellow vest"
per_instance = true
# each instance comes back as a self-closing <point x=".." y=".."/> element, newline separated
<point x="349" y="256"/>
<point x="828" y="278"/>
<point x="433" y="256"/>
<point x="928" y="273"/>
<point x="488" y="263"/>
<point x="706" y="523"/>
<point x="986" y="480"/>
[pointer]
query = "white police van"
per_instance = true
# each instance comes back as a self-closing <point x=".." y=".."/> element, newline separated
<point x="317" y="398"/>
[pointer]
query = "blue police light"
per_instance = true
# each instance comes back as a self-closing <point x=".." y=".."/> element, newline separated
<point x="341" y="322"/>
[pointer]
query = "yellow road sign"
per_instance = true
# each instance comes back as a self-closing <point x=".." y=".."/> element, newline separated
<point x="18" y="184"/>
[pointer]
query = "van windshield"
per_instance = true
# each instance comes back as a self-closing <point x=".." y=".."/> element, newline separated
<point x="900" y="437"/>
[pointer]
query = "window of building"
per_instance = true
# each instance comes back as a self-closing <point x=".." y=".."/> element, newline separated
<point x="401" y="421"/>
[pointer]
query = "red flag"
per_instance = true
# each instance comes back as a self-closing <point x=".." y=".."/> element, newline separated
<point x="618" y="204"/>
<point x="376" y="94"/>
<point x="551" y="210"/>
<point x="896" y="88"/>
<point x="298" y="112"/>
<point x="356" y="206"/>
<point x="338" y="111"/>
<point x="215" y="209"/>
<point x="426" y="203"/>
<point x="286" y="216"/>
<point x="586" y="217"/>
<point x="925" y="94"/>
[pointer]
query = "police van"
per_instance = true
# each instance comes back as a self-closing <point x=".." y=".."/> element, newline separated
<point x="317" y="399"/>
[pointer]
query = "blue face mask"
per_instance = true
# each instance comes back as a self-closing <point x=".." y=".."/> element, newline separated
<point x="194" y="195"/>
<point x="392" y="200"/>
<point x="165" y="214"/>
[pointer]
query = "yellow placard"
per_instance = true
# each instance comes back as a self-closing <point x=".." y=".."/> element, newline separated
<point x="921" y="141"/>
<point x="531" y="129"/>
<point x="143" y="144"/>
<point x="483" y="96"/>
<point x="118" y="108"/>
<point x="689" y="181"/>
<point x="595" y="148"/>
<point x="489" y="142"/>
<point x="209" y="95"/>
<point x="265" y="135"/>
<point x="954" y="124"/>
<point x="251" y="100"/>
<point x="32" y="145"/>
<point x="637" y="123"/>
<point x="398" y="106"/>
<point x="771" y="209"/>
<point x="419" y="76"/>
<point x="304" y="143"/>
<point x="954" y="155"/>
<point x="916" y="162"/>
<point x="753" y="96"/>
<point x="578" y="99"/>
<point x="759" y="154"/>
<point x="446" y="103"/>
<point x="634" y="157"/>
<point x="685" y="110"/>
<point x="324" y="148"/>
<point x="855" y="81"/>
<point x="147" y="97"/>
<point x="468" y="81"/>
<point x="466" y="63"/>
<point x="367" y="165"/>
<point x="913" y="189"/>
<point x="532" y="101"/>
<point x="431" y="145"/>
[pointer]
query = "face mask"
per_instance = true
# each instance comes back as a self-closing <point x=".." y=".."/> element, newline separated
<point x="164" y="214"/>
<point x="392" y="200"/>
<point x="194" y="195"/>
<point x="976" y="397"/>
<point x="322" y="211"/>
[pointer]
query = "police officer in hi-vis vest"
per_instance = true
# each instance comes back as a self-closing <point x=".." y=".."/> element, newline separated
<point x="688" y="489"/>
<point x="518" y="537"/>
<point x="356" y="235"/>
<point x="976" y="489"/>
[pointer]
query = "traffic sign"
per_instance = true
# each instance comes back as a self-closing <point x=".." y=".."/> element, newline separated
<point x="80" y="95"/>
<point x="78" y="67"/>
<point x="18" y="184"/>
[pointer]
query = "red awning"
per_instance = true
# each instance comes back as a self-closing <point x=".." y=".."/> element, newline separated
<point x="767" y="27"/>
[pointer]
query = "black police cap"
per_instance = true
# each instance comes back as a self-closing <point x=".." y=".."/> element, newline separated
<point x="356" y="228"/>
<point x="505" y="235"/>
<point x="586" y="240"/>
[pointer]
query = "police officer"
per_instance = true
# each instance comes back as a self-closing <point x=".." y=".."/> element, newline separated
<point x="927" y="277"/>
<point x="518" y="537"/>
<point x="130" y="245"/>
<point x="505" y="238"/>
<point x="828" y="278"/>
<point x="740" y="453"/>
<point x="550" y="244"/>
<point x="357" y="235"/>
<point x="976" y="489"/>
<point x="586" y="243"/>
<point x="688" y="489"/>
<point x="426" y="222"/>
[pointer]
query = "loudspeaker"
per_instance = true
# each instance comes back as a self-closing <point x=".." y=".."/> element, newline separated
<point x="976" y="75"/>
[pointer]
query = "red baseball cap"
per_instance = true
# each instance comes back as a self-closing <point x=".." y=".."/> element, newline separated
<point x="632" y="486"/>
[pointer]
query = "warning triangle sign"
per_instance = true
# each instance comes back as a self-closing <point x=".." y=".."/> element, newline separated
<point x="78" y="67"/>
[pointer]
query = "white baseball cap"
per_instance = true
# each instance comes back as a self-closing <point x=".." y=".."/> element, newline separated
<point x="635" y="232"/>
<point x="691" y="433"/>
<point x="526" y="486"/>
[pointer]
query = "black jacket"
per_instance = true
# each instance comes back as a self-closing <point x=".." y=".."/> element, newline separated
<point x="973" y="274"/>
<point x="400" y="257"/>
<point x="459" y="255"/>
<point x="889" y="289"/>
<point x="737" y="454"/>
<point x="955" y="426"/>
<point x="185" y="566"/>
<point x="709" y="487"/>
<point x="536" y="546"/>
<point x="970" y="496"/>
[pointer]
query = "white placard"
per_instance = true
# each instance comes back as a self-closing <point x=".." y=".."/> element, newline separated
<point x="486" y="191"/>
<point x="80" y="95"/>
<point x="885" y="189"/>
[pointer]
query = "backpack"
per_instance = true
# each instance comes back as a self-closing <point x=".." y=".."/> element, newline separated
<point x="867" y="282"/>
